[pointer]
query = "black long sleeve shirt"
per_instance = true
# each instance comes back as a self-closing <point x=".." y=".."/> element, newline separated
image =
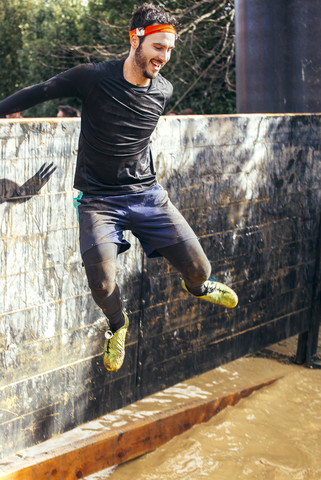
<point x="117" y="120"/>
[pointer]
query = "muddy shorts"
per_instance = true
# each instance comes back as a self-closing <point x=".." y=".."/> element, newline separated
<point x="149" y="215"/>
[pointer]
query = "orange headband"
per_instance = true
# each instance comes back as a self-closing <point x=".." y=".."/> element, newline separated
<point x="141" y="31"/>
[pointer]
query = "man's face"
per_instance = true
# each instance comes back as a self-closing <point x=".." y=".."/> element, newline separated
<point x="154" y="53"/>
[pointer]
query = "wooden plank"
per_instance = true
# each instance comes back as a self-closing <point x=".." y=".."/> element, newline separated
<point x="119" y="445"/>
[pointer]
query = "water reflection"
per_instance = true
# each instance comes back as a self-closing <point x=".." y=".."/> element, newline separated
<point x="275" y="434"/>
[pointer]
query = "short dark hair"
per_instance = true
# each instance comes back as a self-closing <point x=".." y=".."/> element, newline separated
<point x="69" y="111"/>
<point x="149" y="14"/>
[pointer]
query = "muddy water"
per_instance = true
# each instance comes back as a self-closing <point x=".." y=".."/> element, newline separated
<point x="275" y="434"/>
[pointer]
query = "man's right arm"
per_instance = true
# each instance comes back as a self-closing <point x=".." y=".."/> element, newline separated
<point x="65" y="84"/>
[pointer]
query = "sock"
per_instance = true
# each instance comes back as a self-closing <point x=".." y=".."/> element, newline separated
<point x="116" y="322"/>
<point x="197" y="290"/>
<point x="113" y="310"/>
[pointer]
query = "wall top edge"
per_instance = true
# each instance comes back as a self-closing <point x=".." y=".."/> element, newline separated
<point x="40" y="119"/>
<point x="55" y="120"/>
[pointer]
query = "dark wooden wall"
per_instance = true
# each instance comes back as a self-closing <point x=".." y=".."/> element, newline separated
<point x="250" y="187"/>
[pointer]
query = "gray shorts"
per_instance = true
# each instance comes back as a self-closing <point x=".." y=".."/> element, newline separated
<point x="149" y="215"/>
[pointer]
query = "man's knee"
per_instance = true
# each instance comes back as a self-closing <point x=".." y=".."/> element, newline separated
<point x="101" y="278"/>
<point x="100" y="266"/>
<point x="101" y="287"/>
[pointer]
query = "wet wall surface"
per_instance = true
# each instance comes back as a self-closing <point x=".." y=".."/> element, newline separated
<point x="249" y="186"/>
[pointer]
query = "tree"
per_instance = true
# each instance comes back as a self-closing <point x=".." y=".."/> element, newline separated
<point x="12" y="17"/>
<point x="55" y="26"/>
<point x="203" y="68"/>
<point x="35" y="44"/>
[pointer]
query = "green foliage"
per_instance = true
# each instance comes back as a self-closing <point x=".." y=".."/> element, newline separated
<point x="52" y="28"/>
<point x="11" y="43"/>
<point x="202" y="68"/>
<point x="39" y="38"/>
<point x="35" y="44"/>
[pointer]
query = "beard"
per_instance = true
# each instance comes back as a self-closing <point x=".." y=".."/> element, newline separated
<point x="142" y="63"/>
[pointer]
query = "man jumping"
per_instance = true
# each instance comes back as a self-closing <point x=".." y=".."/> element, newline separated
<point x="121" y="104"/>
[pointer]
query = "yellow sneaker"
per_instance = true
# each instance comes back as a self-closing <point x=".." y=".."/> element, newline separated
<point x="217" y="293"/>
<point x="114" y="349"/>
